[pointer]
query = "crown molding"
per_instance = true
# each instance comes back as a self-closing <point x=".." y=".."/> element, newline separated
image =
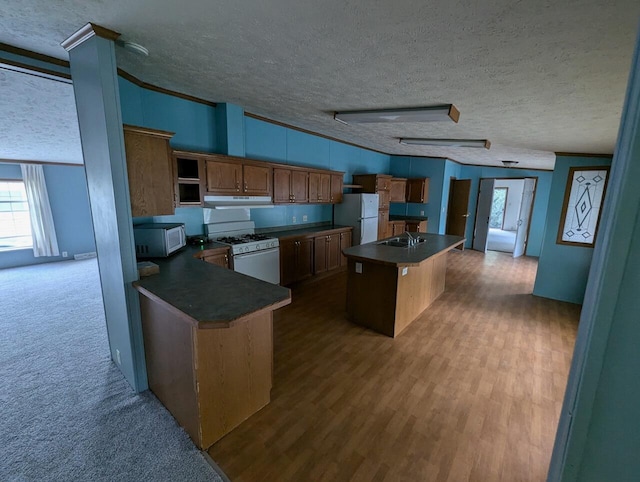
<point x="36" y="71"/>
<point x="85" y="33"/>
<point x="581" y="154"/>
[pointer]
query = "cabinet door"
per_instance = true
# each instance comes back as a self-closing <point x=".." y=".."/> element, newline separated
<point x="288" y="254"/>
<point x="304" y="259"/>
<point x="333" y="251"/>
<point x="150" y="172"/>
<point x="336" y="188"/>
<point x="418" y="190"/>
<point x="397" y="192"/>
<point x="417" y="226"/>
<point x="383" y="199"/>
<point x="224" y="177"/>
<point x="282" y="186"/>
<point x="383" y="183"/>
<point x="221" y="259"/>
<point x="315" y="195"/>
<point x="320" y="256"/>
<point x="300" y="186"/>
<point x="345" y="242"/>
<point x="397" y="228"/>
<point x="257" y="180"/>
<point x="383" y="224"/>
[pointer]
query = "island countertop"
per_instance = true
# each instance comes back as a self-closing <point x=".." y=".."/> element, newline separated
<point x="404" y="256"/>
<point x="210" y="296"/>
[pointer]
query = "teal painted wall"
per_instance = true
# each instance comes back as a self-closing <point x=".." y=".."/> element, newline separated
<point x="69" y="200"/>
<point x="276" y="143"/>
<point x="540" y="203"/>
<point x="434" y="169"/>
<point x="563" y="270"/>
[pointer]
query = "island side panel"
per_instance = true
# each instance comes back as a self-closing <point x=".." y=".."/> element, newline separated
<point x="235" y="372"/>
<point x="439" y="275"/>
<point x="415" y="293"/>
<point x="371" y="296"/>
<point x="168" y="347"/>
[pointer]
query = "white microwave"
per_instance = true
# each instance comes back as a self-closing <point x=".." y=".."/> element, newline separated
<point x="158" y="240"/>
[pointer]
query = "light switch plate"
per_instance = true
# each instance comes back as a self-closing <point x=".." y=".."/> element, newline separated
<point x="359" y="268"/>
<point x="405" y="270"/>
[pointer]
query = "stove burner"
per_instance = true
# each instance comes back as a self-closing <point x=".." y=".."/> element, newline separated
<point x="230" y="240"/>
<point x="245" y="238"/>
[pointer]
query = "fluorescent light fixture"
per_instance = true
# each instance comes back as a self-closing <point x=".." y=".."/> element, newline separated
<point x="509" y="163"/>
<point x="446" y="142"/>
<point x="133" y="47"/>
<point x="418" y="114"/>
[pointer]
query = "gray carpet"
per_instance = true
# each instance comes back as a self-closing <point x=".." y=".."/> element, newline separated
<point x="66" y="412"/>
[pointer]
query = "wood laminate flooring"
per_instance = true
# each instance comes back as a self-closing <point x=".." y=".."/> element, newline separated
<point x="472" y="390"/>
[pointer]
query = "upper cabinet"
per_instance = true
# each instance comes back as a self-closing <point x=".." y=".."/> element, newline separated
<point x="337" y="184"/>
<point x="418" y="190"/>
<point x="397" y="193"/>
<point x="290" y="185"/>
<point x="228" y="175"/>
<point x="319" y="187"/>
<point x="190" y="178"/>
<point x="150" y="172"/>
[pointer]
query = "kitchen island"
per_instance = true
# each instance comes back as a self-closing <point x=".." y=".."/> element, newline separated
<point x="390" y="283"/>
<point x="208" y="342"/>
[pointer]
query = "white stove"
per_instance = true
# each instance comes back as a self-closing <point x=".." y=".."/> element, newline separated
<point x="253" y="254"/>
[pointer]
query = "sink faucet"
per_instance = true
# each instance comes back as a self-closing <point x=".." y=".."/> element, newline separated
<point x="412" y="240"/>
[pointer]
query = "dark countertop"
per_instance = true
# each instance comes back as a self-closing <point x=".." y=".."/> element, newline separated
<point x="211" y="296"/>
<point x="402" y="217"/>
<point x="398" y="256"/>
<point x="305" y="231"/>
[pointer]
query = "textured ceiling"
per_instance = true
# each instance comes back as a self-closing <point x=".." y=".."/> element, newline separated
<point x="39" y="120"/>
<point x="533" y="77"/>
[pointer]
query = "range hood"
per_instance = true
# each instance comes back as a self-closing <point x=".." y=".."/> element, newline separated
<point x="235" y="202"/>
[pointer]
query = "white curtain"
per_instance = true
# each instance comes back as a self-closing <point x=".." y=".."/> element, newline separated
<point x="43" y="232"/>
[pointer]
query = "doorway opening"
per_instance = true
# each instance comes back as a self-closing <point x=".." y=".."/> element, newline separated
<point x="503" y="215"/>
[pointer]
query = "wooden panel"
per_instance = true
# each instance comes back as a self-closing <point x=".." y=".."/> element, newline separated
<point x="367" y="181"/>
<point x="416" y="226"/>
<point x="371" y="296"/>
<point x="398" y="190"/>
<point x="282" y="186"/>
<point x="383" y="182"/>
<point x="150" y="173"/>
<point x="383" y="224"/>
<point x="221" y="259"/>
<point x="257" y="180"/>
<point x="418" y="190"/>
<point x="168" y="348"/>
<point x="336" y="188"/>
<point x="300" y="186"/>
<point x="415" y="293"/>
<point x="345" y="242"/>
<point x="383" y="199"/>
<point x="288" y="254"/>
<point x="397" y="227"/>
<point x="320" y="256"/>
<point x="439" y="275"/>
<point x="234" y="369"/>
<point x="224" y="177"/>
<point x="315" y="194"/>
<point x="333" y="251"/>
<point x="304" y="259"/>
<point x="325" y="188"/>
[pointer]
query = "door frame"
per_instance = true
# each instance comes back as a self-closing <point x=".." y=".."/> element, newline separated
<point x="533" y="203"/>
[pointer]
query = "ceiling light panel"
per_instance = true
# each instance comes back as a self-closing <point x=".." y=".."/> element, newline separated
<point x="446" y="142"/>
<point x="447" y="112"/>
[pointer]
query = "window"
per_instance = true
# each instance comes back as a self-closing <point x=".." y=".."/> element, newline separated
<point x="15" y="223"/>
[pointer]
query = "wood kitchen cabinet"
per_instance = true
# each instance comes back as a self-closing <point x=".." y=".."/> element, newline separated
<point x="319" y="187"/>
<point x="337" y="184"/>
<point x="397" y="192"/>
<point x="345" y="242"/>
<point x="418" y="190"/>
<point x="416" y="226"/>
<point x="218" y="256"/>
<point x="150" y="171"/>
<point x="296" y="260"/>
<point x="228" y="176"/>
<point x="383" y="224"/>
<point x="290" y="186"/>
<point x="327" y="253"/>
<point x="190" y="179"/>
<point x="397" y="227"/>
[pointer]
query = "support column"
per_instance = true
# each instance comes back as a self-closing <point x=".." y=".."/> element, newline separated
<point x="230" y="127"/>
<point x="95" y="84"/>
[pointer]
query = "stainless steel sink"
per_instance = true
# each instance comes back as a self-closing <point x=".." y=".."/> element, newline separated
<point x="402" y="242"/>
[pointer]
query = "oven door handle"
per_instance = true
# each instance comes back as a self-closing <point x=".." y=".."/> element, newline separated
<point x="256" y="253"/>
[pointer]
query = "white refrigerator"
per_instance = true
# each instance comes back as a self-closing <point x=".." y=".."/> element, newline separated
<point x="361" y="212"/>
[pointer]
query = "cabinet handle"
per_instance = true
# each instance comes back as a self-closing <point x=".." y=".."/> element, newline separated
<point x="246" y="186"/>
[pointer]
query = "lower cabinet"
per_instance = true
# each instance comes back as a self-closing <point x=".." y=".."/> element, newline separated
<point x="416" y="226"/>
<point x="296" y="260"/>
<point x="397" y="227"/>
<point x="327" y="253"/>
<point x="218" y="256"/>
<point x="315" y="253"/>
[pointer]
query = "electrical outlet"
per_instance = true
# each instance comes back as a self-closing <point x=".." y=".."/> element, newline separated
<point x="304" y="218"/>
<point x="421" y="213"/>
<point x="118" y="357"/>
<point x="295" y="219"/>
<point x="65" y="254"/>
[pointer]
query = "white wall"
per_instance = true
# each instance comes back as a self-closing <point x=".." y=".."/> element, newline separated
<point x="512" y="209"/>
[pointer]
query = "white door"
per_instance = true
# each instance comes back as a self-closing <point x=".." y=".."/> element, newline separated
<point x="483" y="213"/>
<point x="525" y="215"/>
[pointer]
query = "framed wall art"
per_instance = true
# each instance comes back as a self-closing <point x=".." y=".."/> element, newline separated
<point x="582" y="207"/>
